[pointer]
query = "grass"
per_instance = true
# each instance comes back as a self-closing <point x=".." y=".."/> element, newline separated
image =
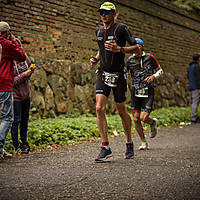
<point x="70" y="129"/>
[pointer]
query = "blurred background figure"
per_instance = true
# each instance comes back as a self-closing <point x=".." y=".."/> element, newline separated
<point x="193" y="75"/>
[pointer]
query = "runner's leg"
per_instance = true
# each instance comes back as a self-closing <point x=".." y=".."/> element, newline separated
<point x="101" y="101"/>
<point x="144" y="116"/>
<point x="138" y="125"/>
<point x="194" y="104"/>
<point x="126" y="119"/>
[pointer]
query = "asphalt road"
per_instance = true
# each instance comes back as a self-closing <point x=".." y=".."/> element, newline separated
<point x="170" y="169"/>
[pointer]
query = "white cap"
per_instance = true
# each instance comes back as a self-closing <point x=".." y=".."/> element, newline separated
<point x="4" y="26"/>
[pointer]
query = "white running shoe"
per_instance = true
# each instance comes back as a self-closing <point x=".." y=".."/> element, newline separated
<point x="4" y="154"/>
<point x="143" y="146"/>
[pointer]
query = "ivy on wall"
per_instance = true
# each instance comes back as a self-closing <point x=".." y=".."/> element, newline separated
<point x="190" y="5"/>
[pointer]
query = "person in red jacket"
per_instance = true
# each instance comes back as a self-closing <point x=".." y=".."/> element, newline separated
<point x="10" y="50"/>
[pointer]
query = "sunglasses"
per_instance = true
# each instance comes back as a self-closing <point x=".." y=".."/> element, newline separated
<point x="105" y="12"/>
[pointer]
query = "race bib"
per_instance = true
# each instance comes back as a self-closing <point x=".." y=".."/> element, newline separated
<point x="142" y="92"/>
<point x="110" y="79"/>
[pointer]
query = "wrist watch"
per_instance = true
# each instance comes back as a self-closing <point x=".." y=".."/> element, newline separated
<point x="122" y="49"/>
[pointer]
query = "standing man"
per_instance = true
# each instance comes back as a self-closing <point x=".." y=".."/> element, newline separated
<point x="111" y="38"/>
<point x="193" y="74"/>
<point x="144" y="69"/>
<point x="10" y="50"/>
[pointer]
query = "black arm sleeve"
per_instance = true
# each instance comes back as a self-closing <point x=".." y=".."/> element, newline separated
<point x="128" y="36"/>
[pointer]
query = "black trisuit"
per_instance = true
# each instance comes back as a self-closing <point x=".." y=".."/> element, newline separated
<point x="113" y="62"/>
<point x="141" y="69"/>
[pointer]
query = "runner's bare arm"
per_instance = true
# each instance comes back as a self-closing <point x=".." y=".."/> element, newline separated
<point x="112" y="46"/>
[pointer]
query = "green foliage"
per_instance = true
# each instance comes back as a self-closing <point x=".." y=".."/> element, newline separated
<point x="172" y="115"/>
<point x="69" y="129"/>
<point x="190" y="5"/>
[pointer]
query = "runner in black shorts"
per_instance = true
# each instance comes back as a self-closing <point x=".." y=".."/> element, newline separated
<point x="139" y="104"/>
<point x="112" y="38"/>
<point x="119" y="92"/>
<point x="144" y="68"/>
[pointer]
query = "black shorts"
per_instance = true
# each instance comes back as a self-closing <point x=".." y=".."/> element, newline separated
<point x="119" y="92"/>
<point x="141" y="104"/>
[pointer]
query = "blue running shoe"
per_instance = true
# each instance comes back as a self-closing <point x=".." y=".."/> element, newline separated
<point x="153" y="132"/>
<point x="129" y="150"/>
<point x="104" y="154"/>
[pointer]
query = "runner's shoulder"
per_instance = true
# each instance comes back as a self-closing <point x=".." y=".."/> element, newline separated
<point x="148" y="55"/>
<point x="98" y="29"/>
<point x="121" y="25"/>
<point x="131" y="60"/>
<point x="132" y="57"/>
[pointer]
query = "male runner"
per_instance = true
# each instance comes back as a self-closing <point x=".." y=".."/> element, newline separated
<point x="144" y="68"/>
<point x="111" y="38"/>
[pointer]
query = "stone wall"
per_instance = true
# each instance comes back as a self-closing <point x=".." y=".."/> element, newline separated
<point x="60" y="36"/>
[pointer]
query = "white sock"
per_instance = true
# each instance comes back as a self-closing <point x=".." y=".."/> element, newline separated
<point x="107" y="147"/>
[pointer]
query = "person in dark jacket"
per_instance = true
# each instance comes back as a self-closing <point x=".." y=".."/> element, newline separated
<point x="193" y="74"/>
<point x="21" y="94"/>
<point x="10" y="50"/>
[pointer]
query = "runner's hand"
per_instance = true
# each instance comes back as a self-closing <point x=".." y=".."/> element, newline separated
<point x="93" y="61"/>
<point x="149" y="79"/>
<point x="111" y="46"/>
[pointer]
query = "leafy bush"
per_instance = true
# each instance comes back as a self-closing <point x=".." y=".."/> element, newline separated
<point x="190" y="5"/>
<point x="69" y="129"/>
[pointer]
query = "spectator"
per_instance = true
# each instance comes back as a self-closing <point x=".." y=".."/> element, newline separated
<point x="21" y="94"/>
<point x="10" y="50"/>
<point x="193" y="74"/>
